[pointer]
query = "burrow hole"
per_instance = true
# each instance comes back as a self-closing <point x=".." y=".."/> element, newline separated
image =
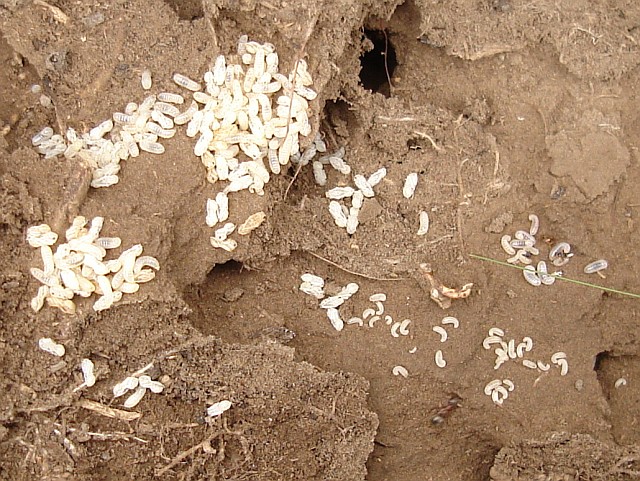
<point x="379" y="63"/>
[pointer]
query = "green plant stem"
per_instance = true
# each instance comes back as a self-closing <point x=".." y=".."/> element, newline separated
<point x="561" y="278"/>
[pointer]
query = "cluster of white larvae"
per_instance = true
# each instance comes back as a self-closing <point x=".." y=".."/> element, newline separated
<point x="522" y="248"/>
<point x="78" y="267"/>
<point x="444" y="335"/>
<point x="508" y="350"/>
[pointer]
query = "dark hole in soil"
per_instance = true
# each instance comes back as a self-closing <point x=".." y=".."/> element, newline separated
<point x="601" y="359"/>
<point x="229" y="268"/>
<point x="374" y="74"/>
<point x="186" y="9"/>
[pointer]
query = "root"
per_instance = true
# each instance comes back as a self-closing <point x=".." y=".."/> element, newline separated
<point x="356" y="273"/>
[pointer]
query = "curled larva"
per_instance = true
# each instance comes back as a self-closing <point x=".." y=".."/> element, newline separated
<point x="450" y="320"/>
<point x="121" y="388"/>
<point x="620" y="382"/>
<point x="379" y="308"/>
<point x="356" y="320"/>
<point x="218" y="408"/>
<point x="543" y="366"/>
<point x="509" y="383"/>
<point x="529" y="273"/>
<point x="596" y="266"/>
<point x="491" y="386"/>
<point x="373" y="320"/>
<point x="440" y="362"/>
<point x="400" y="371"/>
<point x="362" y="184"/>
<point x="555" y="357"/>
<point x="394" y="329"/>
<point x="186" y="82"/>
<point x="535" y="224"/>
<point x="511" y="349"/>
<point x="133" y="400"/>
<point x="424" y="223"/>
<point x="496" y="331"/>
<point x="404" y="327"/>
<point x="529" y="364"/>
<point x="486" y="343"/>
<point x="410" y="184"/>
<point x="564" y="366"/>
<point x="442" y="332"/>
<point x="378" y="297"/>
<point x="253" y="222"/>
<point x="560" y="253"/>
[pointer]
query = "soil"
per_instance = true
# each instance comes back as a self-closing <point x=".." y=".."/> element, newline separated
<point x="504" y="107"/>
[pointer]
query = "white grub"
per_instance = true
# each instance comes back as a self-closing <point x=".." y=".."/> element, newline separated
<point x="146" y="79"/>
<point x="352" y="220"/>
<point x="505" y="242"/>
<point x="38" y="301"/>
<point x="357" y="200"/>
<point x="146" y="382"/>
<point x="186" y="82"/>
<point x="509" y="383"/>
<point x="225" y="231"/>
<point x="379" y="308"/>
<point x="368" y="313"/>
<point x="49" y="345"/>
<point x="375" y="178"/>
<point x="42" y="136"/>
<point x="519" y="257"/>
<point x="440" y="362"/>
<point x="535" y="224"/>
<point x="211" y="218"/>
<point x="524" y="235"/>
<point x="335" y="209"/>
<point x="361" y="183"/>
<point x="529" y="273"/>
<point x="424" y="223"/>
<point x="171" y="98"/>
<point x="400" y="371"/>
<point x="404" y="327"/>
<point x="450" y="320"/>
<point x="413" y="350"/>
<point x="486" y="343"/>
<point x="336" y="321"/>
<point x="620" y="382"/>
<point x="340" y="165"/>
<point x="338" y="193"/>
<point x="564" y="367"/>
<point x="133" y="400"/>
<point x="543" y="366"/>
<point x="529" y="364"/>
<point x="378" y="297"/>
<point x="543" y="273"/>
<point x="87" y="367"/>
<point x="373" y="320"/>
<point x="331" y="302"/>
<point x="596" y="266"/>
<point x="122" y="387"/>
<point x="555" y="357"/>
<point x="388" y="320"/>
<point x="108" y="242"/>
<point x="312" y="290"/>
<point x="218" y="408"/>
<point x="349" y="290"/>
<point x="491" y="386"/>
<point x="394" y="329"/>
<point x="511" y="349"/>
<point x="222" y="201"/>
<point x="410" y="183"/>
<point x="441" y="332"/>
<point x="499" y="394"/>
<point x="312" y="279"/>
<point x="253" y="222"/>
<point x="496" y="331"/>
<point x="151" y="147"/>
<point x="356" y="320"/>
<point x="228" y="245"/>
<point x="560" y="253"/>
<point x="145" y="261"/>
<point x="40" y="235"/>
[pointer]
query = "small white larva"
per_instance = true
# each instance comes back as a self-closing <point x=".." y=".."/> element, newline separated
<point x="564" y="366"/>
<point x="151" y="147"/>
<point x="529" y="273"/>
<point x="379" y="308"/>
<point x="505" y="242"/>
<point x="424" y="223"/>
<point x="87" y="366"/>
<point x="400" y="371"/>
<point x="535" y="224"/>
<point x="171" y="98"/>
<point x="378" y="297"/>
<point x="155" y="387"/>
<point x="410" y="183"/>
<point x="319" y="175"/>
<point x="404" y="327"/>
<point x="338" y="193"/>
<point x="543" y="366"/>
<point x="368" y="313"/>
<point x="361" y="183"/>
<point x="211" y="218"/>
<point x="620" y="382"/>
<point x="560" y="253"/>
<point x="356" y="320"/>
<point x="133" y="400"/>
<point x="218" y="408"/>
<point x="491" y="386"/>
<point x="442" y="332"/>
<point x="225" y="231"/>
<point x="555" y="357"/>
<point x="222" y="201"/>
<point x="394" y="329"/>
<point x="373" y="320"/>
<point x="486" y="343"/>
<point x="511" y="349"/>
<point x="335" y="209"/>
<point x="529" y="364"/>
<point x="146" y="79"/>
<point x="121" y="388"/>
<point x="186" y="82"/>
<point x="596" y="266"/>
<point x="352" y="220"/>
<point x="336" y="320"/>
<point x="375" y="178"/>
<point x="313" y="279"/>
<point x="509" y="383"/>
<point x="49" y="345"/>
<point x="450" y="320"/>
<point x="496" y="331"/>
<point x="440" y="362"/>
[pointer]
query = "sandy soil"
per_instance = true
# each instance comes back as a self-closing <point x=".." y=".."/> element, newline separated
<point x="504" y="107"/>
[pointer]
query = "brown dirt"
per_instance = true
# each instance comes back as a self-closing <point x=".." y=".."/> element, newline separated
<point x="531" y="107"/>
